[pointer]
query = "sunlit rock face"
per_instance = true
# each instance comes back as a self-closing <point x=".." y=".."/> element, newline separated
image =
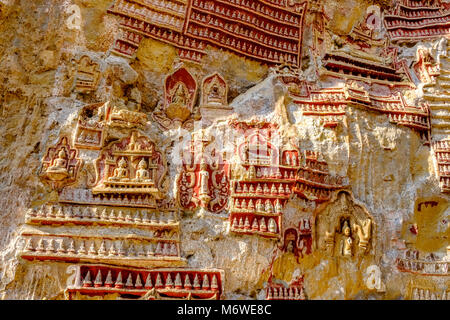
<point x="241" y="149"/>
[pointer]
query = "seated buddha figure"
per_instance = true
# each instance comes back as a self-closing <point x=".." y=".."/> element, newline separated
<point x="142" y="173"/>
<point x="180" y="95"/>
<point x="121" y="172"/>
<point x="58" y="169"/>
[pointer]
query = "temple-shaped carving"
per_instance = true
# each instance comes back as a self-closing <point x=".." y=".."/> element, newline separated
<point x="344" y="228"/>
<point x="88" y="75"/>
<point x="363" y="55"/>
<point x="60" y="164"/>
<point x="414" y="20"/>
<point x="180" y="89"/>
<point x="261" y="189"/>
<point x="214" y="95"/>
<point x="203" y="180"/>
<point x="132" y="165"/>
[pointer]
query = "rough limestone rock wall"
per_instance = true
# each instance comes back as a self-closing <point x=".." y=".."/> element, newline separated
<point x="136" y="149"/>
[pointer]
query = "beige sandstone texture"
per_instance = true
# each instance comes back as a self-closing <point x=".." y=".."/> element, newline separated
<point x="386" y="179"/>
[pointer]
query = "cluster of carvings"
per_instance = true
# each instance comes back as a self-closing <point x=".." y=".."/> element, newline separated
<point x="413" y="20"/>
<point x="430" y="266"/>
<point x="161" y="284"/>
<point x="268" y="31"/>
<point x="178" y="106"/>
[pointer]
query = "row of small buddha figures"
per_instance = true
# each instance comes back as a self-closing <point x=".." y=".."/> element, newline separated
<point x="317" y="192"/>
<point x="420" y="23"/>
<point x="142" y="251"/>
<point x="425" y="267"/>
<point x="198" y="283"/>
<point x="423" y="13"/>
<point x="255" y="7"/>
<point x="249" y="189"/>
<point x="255" y="50"/>
<point x="124" y="48"/>
<point x="258" y="37"/>
<point x="322" y="178"/>
<point x="443" y="156"/>
<point x="166" y="4"/>
<point x="160" y="33"/>
<point x="265" y="172"/>
<point x="427" y="294"/>
<point x="323" y="107"/>
<point x="316" y="165"/>
<point x="147" y="14"/>
<point x="421" y="32"/>
<point x="444" y="168"/>
<point x="86" y="196"/>
<point x="328" y="97"/>
<point x="260" y="207"/>
<point x="255" y="225"/>
<point x="93" y="214"/>
<point x="282" y="293"/>
<point x="408" y="117"/>
<point x="253" y="19"/>
<point x="122" y="173"/>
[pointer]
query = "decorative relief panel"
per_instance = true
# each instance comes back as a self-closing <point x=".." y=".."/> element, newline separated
<point x="430" y="266"/>
<point x="203" y="180"/>
<point x="180" y="89"/>
<point x="267" y="31"/>
<point x="132" y="165"/>
<point x="260" y="193"/>
<point x="414" y="20"/>
<point x="60" y="165"/>
<point x="214" y="98"/>
<point x="159" y="284"/>
<point x="158" y="248"/>
<point x="344" y="228"/>
<point x="88" y="75"/>
<point x="90" y="130"/>
<point x="442" y="154"/>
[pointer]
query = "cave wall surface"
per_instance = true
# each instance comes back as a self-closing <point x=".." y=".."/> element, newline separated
<point x="232" y="149"/>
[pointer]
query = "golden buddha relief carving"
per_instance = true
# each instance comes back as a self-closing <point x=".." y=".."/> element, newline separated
<point x="60" y="165"/>
<point x="132" y="165"/>
<point x="344" y="228"/>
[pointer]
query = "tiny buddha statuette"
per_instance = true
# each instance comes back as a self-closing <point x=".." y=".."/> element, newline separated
<point x="121" y="172"/>
<point x="58" y="170"/>
<point x="347" y="241"/>
<point x="142" y="173"/>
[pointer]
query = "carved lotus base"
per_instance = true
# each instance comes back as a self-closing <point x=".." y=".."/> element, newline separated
<point x="56" y="174"/>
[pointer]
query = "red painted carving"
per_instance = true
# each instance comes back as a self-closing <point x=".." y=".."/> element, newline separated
<point x="431" y="266"/>
<point x="425" y="67"/>
<point x="269" y="31"/>
<point x="442" y="154"/>
<point x="258" y="197"/>
<point x="294" y="291"/>
<point x="413" y="20"/>
<point x="180" y="89"/>
<point x="132" y="165"/>
<point x="203" y="180"/>
<point x="263" y="30"/>
<point x="165" y="284"/>
<point x="60" y="165"/>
